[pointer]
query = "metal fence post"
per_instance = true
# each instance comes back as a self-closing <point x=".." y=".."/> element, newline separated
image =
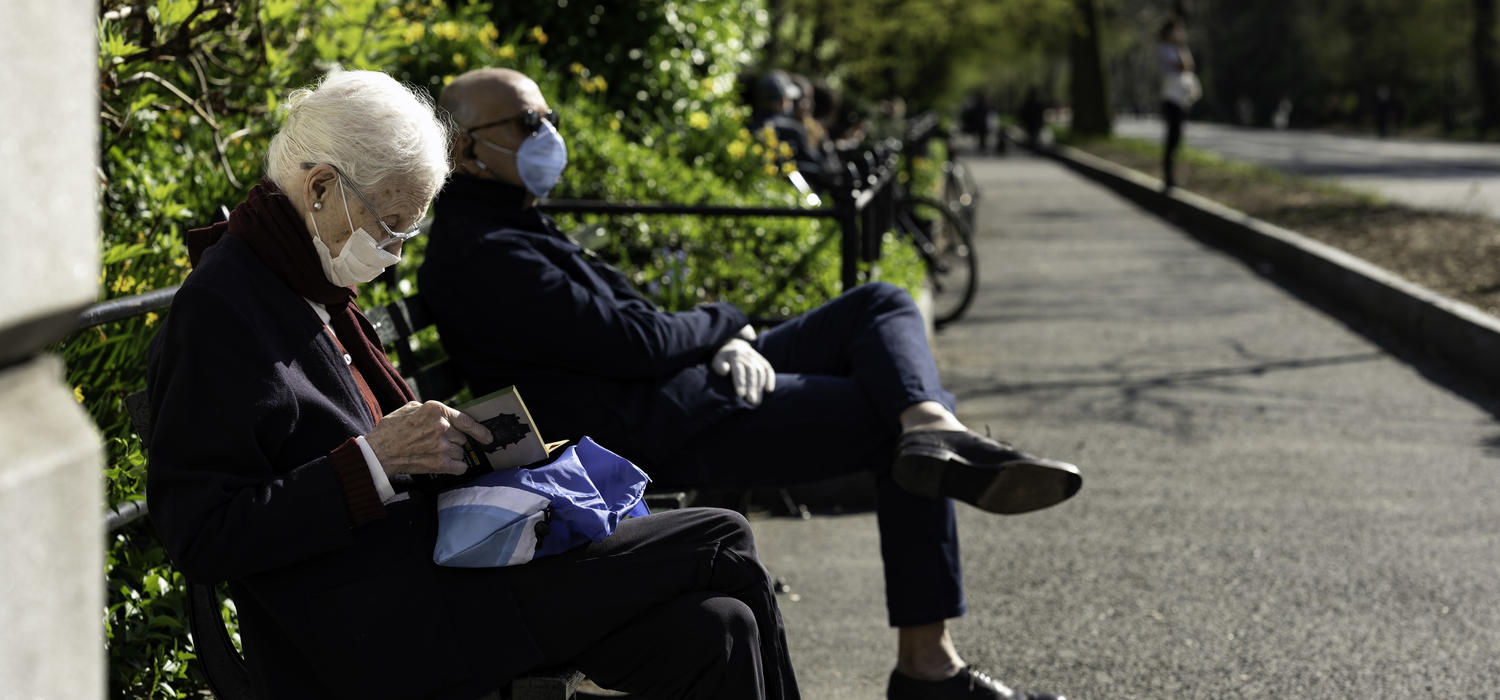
<point x="848" y="218"/>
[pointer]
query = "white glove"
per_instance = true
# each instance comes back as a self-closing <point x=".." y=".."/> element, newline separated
<point x="752" y="374"/>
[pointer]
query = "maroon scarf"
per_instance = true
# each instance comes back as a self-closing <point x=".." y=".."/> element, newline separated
<point x="276" y="233"/>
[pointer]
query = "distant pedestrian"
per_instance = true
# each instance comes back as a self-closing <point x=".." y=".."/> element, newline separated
<point x="1385" y="111"/>
<point x="1179" y="89"/>
<point x="1032" y="115"/>
<point x="976" y="119"/>
<point x="1282" y="118"/>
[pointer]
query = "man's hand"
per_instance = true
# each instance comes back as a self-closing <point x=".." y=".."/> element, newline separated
<point x="424" y="438"/>
<point x="752" y="374"/>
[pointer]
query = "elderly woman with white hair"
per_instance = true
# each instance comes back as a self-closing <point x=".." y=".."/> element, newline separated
<point x="288" y="458"/>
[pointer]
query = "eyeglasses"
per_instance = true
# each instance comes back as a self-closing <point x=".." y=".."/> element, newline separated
<point x="391" y="237"/>
<point x="530" y="119"/>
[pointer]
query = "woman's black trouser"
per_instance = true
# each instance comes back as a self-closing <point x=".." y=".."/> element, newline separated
<point x="673" y="605"/>
<point x="1174" y="115"/>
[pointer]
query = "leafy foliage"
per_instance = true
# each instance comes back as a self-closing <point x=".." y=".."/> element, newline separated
<point x="928" y="53"/>
<point x="189" y="98"/>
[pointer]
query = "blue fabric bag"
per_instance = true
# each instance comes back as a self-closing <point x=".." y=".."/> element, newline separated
<point x="512" y="516"/>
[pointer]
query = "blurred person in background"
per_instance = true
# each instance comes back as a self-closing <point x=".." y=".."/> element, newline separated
<point x="1179" y="90"/>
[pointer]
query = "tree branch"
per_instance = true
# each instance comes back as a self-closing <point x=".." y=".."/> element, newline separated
<point x="148" y="75"/>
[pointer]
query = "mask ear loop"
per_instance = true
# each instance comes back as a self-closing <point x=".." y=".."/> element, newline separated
<point x="347" y="217"/>
<point x="502" y="149"/>
<point x="469" y="152"/>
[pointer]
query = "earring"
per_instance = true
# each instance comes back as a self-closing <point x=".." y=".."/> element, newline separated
<point x="317" y="206"/>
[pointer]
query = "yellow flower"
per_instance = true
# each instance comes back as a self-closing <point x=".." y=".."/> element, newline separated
<point x="78" y="393"/>
<point x="698" y="120"/>
<point x="393" y="12"/>
<point x="786" y="150"/>
<point x="771" y="170"/>
<point x="488" y="32"/>
<point x="414" y="33"/>
<point x="757" y="149"/>
<point x="151" y="318"/>
<point x="507" y="52"/>
<point x="736" y="149"/>
<point x="600" y="84"/>
<point x="577" y="68"/>
<point x="447" y="30"/>
<point x="447" y="79"/>
<point x="587" y="85"/>
<point x="176" y="134"/>
<point x="180" y="261"/>
<point x="539" y="35"/>
<point x="614" y="124"/>
<point x="744" y="135"/>
<point x="460" y="61"/>
<point x="788" y="168"/>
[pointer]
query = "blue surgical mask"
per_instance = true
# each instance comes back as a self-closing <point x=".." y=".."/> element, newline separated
<point x="540" y="159"/>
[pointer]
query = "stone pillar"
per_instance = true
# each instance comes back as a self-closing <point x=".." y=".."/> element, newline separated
<point x="51" y="509"/>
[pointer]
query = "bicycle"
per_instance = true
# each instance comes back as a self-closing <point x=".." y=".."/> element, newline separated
<point x="941" y="232"/>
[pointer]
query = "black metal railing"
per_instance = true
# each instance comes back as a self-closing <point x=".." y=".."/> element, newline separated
<point x="860" y="205"/>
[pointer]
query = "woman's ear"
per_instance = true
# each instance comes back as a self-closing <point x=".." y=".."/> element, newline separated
<point x="317" y="185"/>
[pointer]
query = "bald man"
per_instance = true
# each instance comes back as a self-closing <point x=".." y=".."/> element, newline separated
<point x="696" y="397"/>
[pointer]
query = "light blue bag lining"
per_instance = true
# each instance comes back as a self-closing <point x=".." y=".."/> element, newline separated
<point x="512" y="516"/>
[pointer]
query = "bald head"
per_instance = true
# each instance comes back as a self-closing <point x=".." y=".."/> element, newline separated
<point x="478" y="100"/>
<point x="488" y="94"/>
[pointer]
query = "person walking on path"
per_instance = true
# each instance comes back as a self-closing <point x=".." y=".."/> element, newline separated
<point x="1179" y="90"/>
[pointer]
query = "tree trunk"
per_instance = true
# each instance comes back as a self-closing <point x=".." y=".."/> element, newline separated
<point x="773" y="37"/>
<point x="1485" y="70"/>
<point x="1090" y="95"/>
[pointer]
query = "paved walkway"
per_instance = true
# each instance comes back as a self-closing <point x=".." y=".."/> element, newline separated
<point x="1441" y="174"/>
<point x="1272" y="506"/>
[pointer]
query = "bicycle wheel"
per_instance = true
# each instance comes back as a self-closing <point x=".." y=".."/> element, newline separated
<point x="946" y="244"/>
<point x="959" y="191"/>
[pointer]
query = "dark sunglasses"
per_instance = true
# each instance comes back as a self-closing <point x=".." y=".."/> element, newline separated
<point x="531" y="120"/>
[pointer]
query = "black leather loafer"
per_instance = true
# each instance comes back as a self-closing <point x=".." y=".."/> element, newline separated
<point x="967" y="685"/>
<point x="985" y="473"/>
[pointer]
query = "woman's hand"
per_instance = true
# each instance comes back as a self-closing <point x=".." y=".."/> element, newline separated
<point x="424" y="438"/>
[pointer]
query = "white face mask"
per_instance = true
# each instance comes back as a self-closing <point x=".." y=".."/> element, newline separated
<point x="540" y="159"/>
<point x="360" y="261"/>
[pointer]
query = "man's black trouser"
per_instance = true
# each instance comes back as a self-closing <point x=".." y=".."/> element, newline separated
<point x="844" y="373"/>
<point x="673" y="605"/>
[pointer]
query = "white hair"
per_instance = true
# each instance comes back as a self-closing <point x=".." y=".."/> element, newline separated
<point x="370" y="126"/>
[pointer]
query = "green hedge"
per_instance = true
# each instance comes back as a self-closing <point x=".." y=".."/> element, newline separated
<point x="189" y="96"/>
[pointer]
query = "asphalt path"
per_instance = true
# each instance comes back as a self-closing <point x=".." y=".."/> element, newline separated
<point x="1272" y="507"/>
<point x="1448" y="175"/>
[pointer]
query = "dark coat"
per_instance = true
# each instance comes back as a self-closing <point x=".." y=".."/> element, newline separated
<point x="791" y="132"/>
<point x="249" y="395"/>
<point x="517" y="303"/>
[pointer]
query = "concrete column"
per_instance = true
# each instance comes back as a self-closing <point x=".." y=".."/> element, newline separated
<point x="51" y="510"/>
